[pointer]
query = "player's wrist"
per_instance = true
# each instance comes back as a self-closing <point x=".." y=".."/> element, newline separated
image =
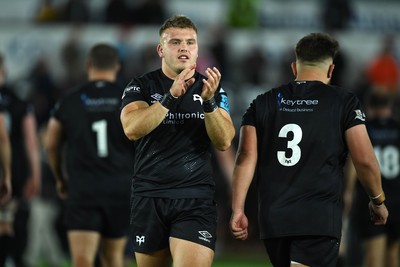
<point x="210" y="105"/>
<point x="378" y="200"/>
<point x="168" y="100"/>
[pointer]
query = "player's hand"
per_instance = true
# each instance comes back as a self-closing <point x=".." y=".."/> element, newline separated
<point x="5" y="190"/>
<point x="32" y="187"/>
<point x="211" y="83"/>
<point x="62" y="188"/>
<point x="379" y="214"/>
<point x="183" y="81"/>
<point x="239" y="225"/>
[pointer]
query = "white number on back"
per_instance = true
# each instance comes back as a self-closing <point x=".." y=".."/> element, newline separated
<point x="100" y="127"/>
<point x="291" y="144"/>
<point x="388" y="158"/>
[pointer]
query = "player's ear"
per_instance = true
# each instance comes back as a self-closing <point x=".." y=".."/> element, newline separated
<point x="160" y="51"/>
<point x="330" y="71"/>
<point x="294" y="68"/>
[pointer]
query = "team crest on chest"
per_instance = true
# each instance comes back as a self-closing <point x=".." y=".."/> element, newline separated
<point x="197" y="97"/>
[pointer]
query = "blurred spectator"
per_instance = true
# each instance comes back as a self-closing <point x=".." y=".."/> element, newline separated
<point x="44" y="91"/>
<point x="340" y="71"/>
<point x="117" y="11"/>
<point x="219" y="50"/>
<point x="150" y="12"/>
<point x="47" y="12"/>
<point x="336" y="14"/>
<point x="286" y="73"/>
<point x="75" y="11"/>
<point x="148" y="61"/>
<point x="243" y="14"/>
<point x="71" y="58"/>
<point x="256" y="74"/>
<point x="383" y="71"/>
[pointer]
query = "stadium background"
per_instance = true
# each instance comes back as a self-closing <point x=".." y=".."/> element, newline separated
<point x="251" y="41"/>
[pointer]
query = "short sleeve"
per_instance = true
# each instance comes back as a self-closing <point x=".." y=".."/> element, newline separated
<point x="58" y="110"/>
<point x="249" y="117"/>
<point x="353" y="112"/>
<point x="133" y="92"/>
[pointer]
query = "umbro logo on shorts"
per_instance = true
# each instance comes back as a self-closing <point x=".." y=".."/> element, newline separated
<point x="205" y="236"/>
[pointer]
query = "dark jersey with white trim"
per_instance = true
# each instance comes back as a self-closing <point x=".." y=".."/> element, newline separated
<point x="385" y="138"/>
<point x="174" y="160"/>
<point x="301" y="152"/>
<point x="99" y="157"/>
<point x="16" y="111"/>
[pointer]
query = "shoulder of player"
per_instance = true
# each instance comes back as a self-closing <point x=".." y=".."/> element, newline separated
<point x="145" y="81"/>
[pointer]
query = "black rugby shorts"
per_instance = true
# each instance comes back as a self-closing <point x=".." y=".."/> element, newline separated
<point x="110" y="222"/>
<point x="155" y="220"/>
<point x="315" y="251"/>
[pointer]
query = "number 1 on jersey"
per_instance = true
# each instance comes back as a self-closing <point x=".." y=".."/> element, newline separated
<point x="100" y="127"/>
<point x="291" y="144"/>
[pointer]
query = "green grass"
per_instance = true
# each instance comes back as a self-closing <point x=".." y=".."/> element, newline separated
<point x="217" y="263"/>
<point x="241" y="263"/>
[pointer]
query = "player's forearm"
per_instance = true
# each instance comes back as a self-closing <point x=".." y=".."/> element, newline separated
<point x="240" y="185"/>
<point x="55" y="159"/>
<point x="140" y="122"/>
<point x="32" y="146"/>
<point x="243" y="174"/>
<point x="5" y="149"/>
<point x="5" y="157"/>
<point x="219" y="129"/>
<point x="369" y="175"/>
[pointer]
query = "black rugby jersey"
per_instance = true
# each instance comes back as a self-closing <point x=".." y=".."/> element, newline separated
<point x="16" y="110"/>
<point x="174" y="160"/>
<point x="385" y="138"/>
<point x="99" y="157"/>
<point x="2" y="108"/>
<point x="301" y="152"/>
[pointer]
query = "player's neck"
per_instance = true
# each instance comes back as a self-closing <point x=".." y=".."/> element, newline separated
<point x="310" y="75"/>
<point x="109" y="76"/>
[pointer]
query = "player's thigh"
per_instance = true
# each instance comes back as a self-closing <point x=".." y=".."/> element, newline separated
<point x="392" y="253"/>
<point x="112" y="252"/>
<point x="83" y="244"/>
<point x="112" y="247"/>
<point x="374" y="250"/>
<point x="159" y="258"/>
<point x="200" y="256"/>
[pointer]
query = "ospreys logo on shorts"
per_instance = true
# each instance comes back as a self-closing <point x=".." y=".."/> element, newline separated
<point x="140" y="239"/>
<point x="205" y="236"/>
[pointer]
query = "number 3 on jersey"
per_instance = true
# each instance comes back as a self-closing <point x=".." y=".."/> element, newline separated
<point x="291" y="144"/>
<point x="100" y="128"/>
